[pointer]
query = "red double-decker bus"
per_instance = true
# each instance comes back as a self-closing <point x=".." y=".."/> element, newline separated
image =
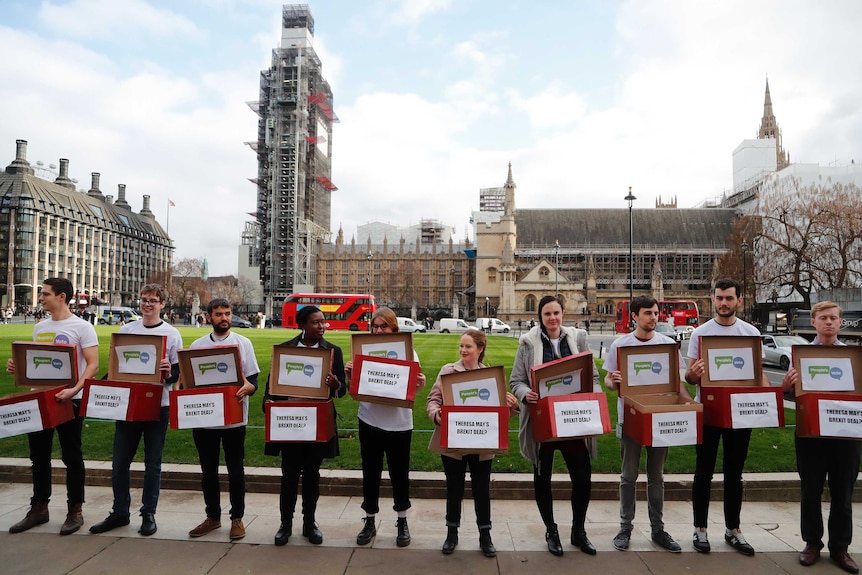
<point x="342" y="311"/>
<point x="676" y="311"/>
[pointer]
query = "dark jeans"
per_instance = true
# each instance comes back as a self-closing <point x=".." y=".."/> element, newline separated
<point x="127" y="438"/>
<point x="374" y="443"/>
<point x="480" y="485"/>
<point x="817" y="457"/>
<point x="209" y="443"/>
<point x="41" y="444"/>
<point x="735" y="452"/>
<point x="577" y="460"/>
<point x="300" y="459"/>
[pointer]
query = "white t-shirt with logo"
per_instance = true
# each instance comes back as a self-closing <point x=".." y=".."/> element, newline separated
<point x="174" y="342"/>
<point x="246" y="355"/>
<point x="73" y="330"/>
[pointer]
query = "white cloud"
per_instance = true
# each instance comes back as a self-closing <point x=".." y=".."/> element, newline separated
<point x="411" y="12"/>
<point x="112" y="18"/>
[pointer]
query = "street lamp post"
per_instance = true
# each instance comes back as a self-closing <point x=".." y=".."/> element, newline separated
<point x="556" y="268"/>
<point x="487" y="306"/>
<point x="630" y="199"/>
<point x="744" y="247"/>
<point x="369" y="257"/>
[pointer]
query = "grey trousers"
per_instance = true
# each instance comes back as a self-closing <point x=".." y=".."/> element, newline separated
<point x="630" y="453"/>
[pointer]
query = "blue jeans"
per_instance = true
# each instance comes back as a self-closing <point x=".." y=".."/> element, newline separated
<point x="127" y="437"/>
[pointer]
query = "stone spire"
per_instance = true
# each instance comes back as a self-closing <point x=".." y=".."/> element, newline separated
<point x="509" y="207"/>
<point x="769" y="129"/>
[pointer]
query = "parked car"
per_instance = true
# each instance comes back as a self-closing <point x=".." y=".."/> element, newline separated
<point x="668" y="330"/>
<point x="777" y="349"/>
<point x="450" y="324"/>
<point x="236" y="321"/>
<point x="492" y="324"/>
<point x="407" y="325"/>
<point x="684" y="331"/>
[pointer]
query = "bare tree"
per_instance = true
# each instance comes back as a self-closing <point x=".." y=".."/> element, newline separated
<point x="186" y="281"/>
<point x="248" y="290"/>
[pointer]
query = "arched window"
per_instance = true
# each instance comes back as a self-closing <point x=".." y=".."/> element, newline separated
<point x="530" y="303"/>
<point x="492" y="275"/>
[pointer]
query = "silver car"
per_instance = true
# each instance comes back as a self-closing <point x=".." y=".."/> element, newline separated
<point x="777" y="349"/>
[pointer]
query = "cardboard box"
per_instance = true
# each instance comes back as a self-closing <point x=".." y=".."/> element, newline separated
<point x="385" y="345"/>
<point x="829" y="391"/>
<point x="474" y="429"/>
<point x="476" y="387"/>
<point x="300" y="421"/>
<point x="44" y="365"/>
<point x="205" y="407"/>
<point x="562" y="417"/>
<point x="655" y="414"/>
<point x="300" y="371"/>
<point x="33" y="411"/>
<point x="136" y="357"/>
<point x="207" y="366"/>
<point x="121" y="400"/>
<point x="384" y="381"/>
<point x="730" y="388"/>
<point x="572" y="374"/>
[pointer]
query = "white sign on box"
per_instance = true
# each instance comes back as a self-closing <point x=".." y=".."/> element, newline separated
<point x="106" y="402"/>
<point x="384" y="380"/>
<point x="564" y="384"/>
<point x="20" y="418"/>
<point x="749" y="410"/>
<point x="840" y="418"/>
<point x="578" y="418"/>
<point x="214" y="370"/>
<point x="730" y="364"/>
<point x="137" y="359"/>
<point x="292" y="423"/>
<point x="473" y="430"/>
<point x="826" y="374"/>
<point x="389" y="350"/>
<point x="299" y="370"/>
<point x="46" y="364"/>
<point x="648" y="369"/>
<point x="200" y="410"/>
<point x="481" y="392"/>
<point x="674" y="428"/>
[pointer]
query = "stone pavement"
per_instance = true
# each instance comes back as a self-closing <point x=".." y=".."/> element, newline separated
<point x="772" y="527"/>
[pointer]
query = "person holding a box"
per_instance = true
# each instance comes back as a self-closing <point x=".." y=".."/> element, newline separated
<point x="385" y="430"/>
<point x="644" y="312"/>
<point x="208" y="441"/>
<point x="548" y="341"/>
<point x="304" y="459"/>
<point x="726" y="299"/>
<point x="127" y="434"/>
<point x="472" y="351"/>
<point x="63" y="327"/>
<point x="819" y="457"/>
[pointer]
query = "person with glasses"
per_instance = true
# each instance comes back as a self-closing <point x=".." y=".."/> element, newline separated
<point x="128" y="434"/>
<point x="385" y="430"/>
<point x="304" y="459"/>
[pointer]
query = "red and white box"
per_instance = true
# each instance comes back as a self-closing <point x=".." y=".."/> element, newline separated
<point x="31" y="411"/>
<point x="828" y="391"/>
<point x="565" y="376"/>
<point x="44" y="365"/>
<point x="655" y="414"/>
<point x="137" y="358"/>
<point x="561" y="417"/>
<point x="383" y="380"/>
<point x="205" y="407"/>
<point x="121" y="400"/>
<point x="299" y="421"/>
<point x="475" y="429"/>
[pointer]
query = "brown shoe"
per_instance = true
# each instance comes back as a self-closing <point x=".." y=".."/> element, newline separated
<point x="37" y="515"/>
<point x="208" y="525"/>
<point x="74" y="520"/>
<point x="237" y="529"/>
<point x="810" y="555"/>
<point x="843" y="559"/>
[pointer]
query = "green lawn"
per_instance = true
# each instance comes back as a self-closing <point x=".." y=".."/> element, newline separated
<point x="771" y="449"/>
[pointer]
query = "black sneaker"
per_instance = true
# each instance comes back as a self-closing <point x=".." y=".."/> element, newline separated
<point x="622" y="540"/>
<point x="700" y="542"/>
<point x="664" y="540"/>
<point x="112" y="521"/>
<point x="738" y="542"/>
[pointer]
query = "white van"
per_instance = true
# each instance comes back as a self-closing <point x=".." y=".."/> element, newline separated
<point x="450" y="324"/>
<point x="495" y="324"/>
<point x="407" y="325"/>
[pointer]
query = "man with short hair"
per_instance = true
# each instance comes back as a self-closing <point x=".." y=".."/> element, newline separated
<point x="62" y="327"/>
<point x="817" y="457"/>
<point x="127" y="434"/>
<point x="726" y="299"/>
<point x="644" y="312"/>
<point x="209" y="440"/>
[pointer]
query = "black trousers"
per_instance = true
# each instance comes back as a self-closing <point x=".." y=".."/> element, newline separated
<point x="300" y="459"/>
<point x="42" y="442"/>
<point x="374" y="443"/>
<point x="735" y="452"/>
<point x="209" y="443"/>
<point x="817" y="458"/>
<point x="577" y="460"/>
<point x="480" y="485"/>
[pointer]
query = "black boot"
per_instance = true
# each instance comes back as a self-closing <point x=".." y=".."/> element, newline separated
<point x="403" y="537"/>
<point x="311" y="531"/>
<point x="451" y="541"/>
<point x="285" y="530"/>
<point x="485" y="543"/>
<point x="580" y="540"/>
<point x="552" y="536"/>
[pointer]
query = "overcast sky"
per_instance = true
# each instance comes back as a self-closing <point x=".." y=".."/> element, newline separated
<point x="435" y="97"/>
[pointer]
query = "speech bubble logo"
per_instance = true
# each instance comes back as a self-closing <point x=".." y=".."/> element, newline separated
<point x="378" y="353"/>
<point x="222" y="367"/>
<point x="145" y="357"/>
<point x="61" y="338"/>
<point x="640" y="366"/>
<point x="392" y="354"/>
<point x="656" y="367"/>
<point x="738" y="362"/>
<point x="836" y="373"/>
<point x="818" y="370"/>
<point x="127" y="355"/>
<point x="37" y="361"/>
<point x="205" y="367"/>
<point x="57" y="363"/>
<point x="723" y="360"/>
<point x="466" y="394"/>
<point x="552" y="382"/>
<point x="568" y="379"/>
<point x="484" y="394"/>
<point x="293" y="366"/>
<point x="308" y="370"/>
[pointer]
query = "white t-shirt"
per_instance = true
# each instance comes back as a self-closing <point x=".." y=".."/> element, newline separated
<point x="72" y="330"/>
<point x="174" y="342"/>
<point x="629" y="340"/>
<point x="387" y="417"/>
<point x="246" y="356"/>
<point x="712" y="327"/>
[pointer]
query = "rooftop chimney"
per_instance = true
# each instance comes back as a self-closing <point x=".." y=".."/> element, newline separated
<point x="94" y="186"/>
<point x="109" y="199"/>
<point x="146" y="209"/>
<point x="63" y="178"/>
<point x="121" y="196"/>
<point x="20" y="165"/>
